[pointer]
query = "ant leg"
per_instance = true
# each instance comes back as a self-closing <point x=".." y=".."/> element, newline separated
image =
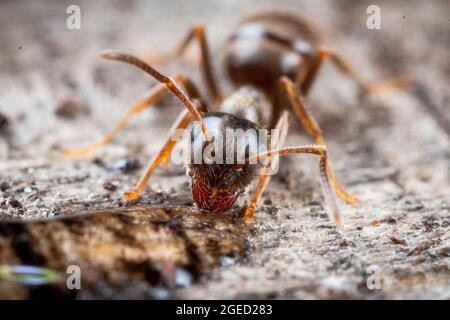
<point x="263" y="180"/>
<point x="156" y="95"/>
<point x="380" y="87"/>
<point x="197" y="32"/>
<point x="303" y="114"/>
<point x="264" y="177"/>
<point x="325" y="172"/>
<point x="161" y="157"/>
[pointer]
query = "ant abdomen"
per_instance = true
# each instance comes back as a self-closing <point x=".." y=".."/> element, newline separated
<point x="267" y="47"/>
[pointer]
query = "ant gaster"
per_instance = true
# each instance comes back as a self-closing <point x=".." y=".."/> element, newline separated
<point x="269" y="57"/>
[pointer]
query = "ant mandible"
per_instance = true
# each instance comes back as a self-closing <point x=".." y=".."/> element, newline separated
<point x="270" y="56"/>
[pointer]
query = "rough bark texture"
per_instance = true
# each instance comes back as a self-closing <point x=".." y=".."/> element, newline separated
<point x="391" y="151"/>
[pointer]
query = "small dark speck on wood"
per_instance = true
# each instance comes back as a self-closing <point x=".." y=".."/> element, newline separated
<point x="4" y="122"/>
<point x="396" y="240"/>
<point x="4" y="186"/>
<point x="70" y="108"/>
<point x="126" y="165"/>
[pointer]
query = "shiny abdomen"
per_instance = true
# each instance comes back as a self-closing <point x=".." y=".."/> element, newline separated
<point x="268" y="46"/>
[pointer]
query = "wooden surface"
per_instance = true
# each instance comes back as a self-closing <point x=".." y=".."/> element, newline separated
<point x="391" y="151"/>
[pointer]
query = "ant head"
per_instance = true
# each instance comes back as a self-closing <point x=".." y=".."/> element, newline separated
<point x="216" y="187"/>
<point x="219" y="169"/>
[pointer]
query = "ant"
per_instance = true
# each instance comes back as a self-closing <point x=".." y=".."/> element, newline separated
<point x="269" y="57"/>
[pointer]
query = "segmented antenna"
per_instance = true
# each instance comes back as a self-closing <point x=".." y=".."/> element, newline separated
<point x="168" y="82"/>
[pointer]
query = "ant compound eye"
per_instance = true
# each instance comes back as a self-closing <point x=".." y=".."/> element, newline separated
<point x="209" y="153"/>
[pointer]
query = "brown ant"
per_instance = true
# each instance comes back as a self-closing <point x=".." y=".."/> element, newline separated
<point x="270" y="56"/>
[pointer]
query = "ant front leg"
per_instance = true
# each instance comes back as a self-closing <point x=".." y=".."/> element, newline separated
<point x="324" y="168"/>
<point x="301" y="110"/>
<point x="156" y="95"/>
<point x="196" y="33"/>
<point x="161" y="157"/>
<point x="344" y="67"/>
<point x="264" y="177"/>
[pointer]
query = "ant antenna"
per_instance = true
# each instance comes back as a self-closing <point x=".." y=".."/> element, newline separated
<point x="168" y="82"/>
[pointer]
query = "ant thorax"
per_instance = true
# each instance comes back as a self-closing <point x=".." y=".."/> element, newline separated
<point x="248" y="103"/>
